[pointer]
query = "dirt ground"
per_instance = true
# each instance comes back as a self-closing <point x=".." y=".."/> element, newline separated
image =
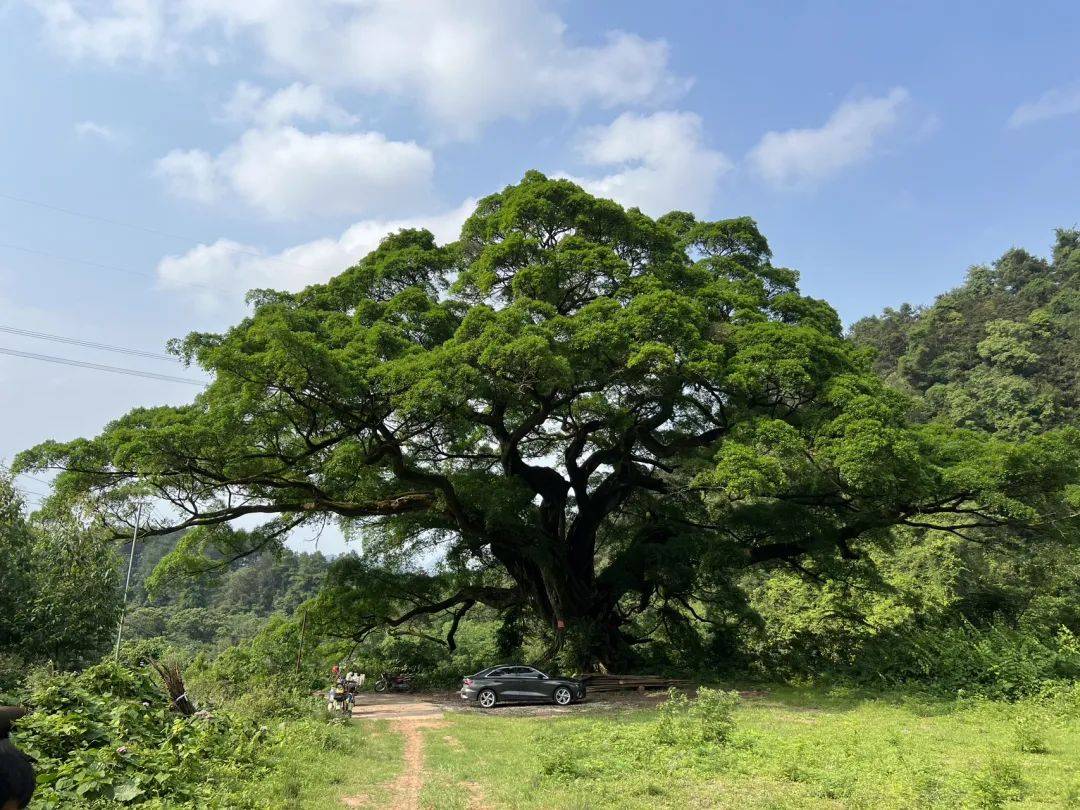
<point x="433" y="705"/>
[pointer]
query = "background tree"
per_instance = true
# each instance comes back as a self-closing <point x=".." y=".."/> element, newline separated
<point x="587" y="413"/>
<point x="59" y="586"/>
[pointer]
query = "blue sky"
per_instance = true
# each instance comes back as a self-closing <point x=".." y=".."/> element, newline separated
<point x="883" y="148"/>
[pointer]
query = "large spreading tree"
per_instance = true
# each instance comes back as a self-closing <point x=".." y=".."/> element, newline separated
<point x="593" y="416"/>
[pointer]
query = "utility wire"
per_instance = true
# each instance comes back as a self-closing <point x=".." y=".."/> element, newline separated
<point x="25" y="475"/>
<point x="48" y="358"/>
<point x="101" y="266"/>
<point x="77" y="342"/>
<point x="156" y="231"/>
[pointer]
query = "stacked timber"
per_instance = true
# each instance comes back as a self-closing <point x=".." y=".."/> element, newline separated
<point x="597" y="682"/>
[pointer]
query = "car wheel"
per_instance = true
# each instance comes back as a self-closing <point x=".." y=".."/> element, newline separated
<point x="563" y="696"/>
<point x="486" y="698"/>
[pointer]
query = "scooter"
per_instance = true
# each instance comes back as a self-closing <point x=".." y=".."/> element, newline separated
<point x="393" y="683"/>
<point x="340" y="699"/>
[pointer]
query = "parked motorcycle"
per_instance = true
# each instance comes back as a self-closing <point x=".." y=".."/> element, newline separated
<point x="340" y="699"/>
<point x="388" y="682"/>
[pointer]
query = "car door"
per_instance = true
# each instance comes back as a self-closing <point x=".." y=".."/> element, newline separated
<point x="516" y="686"/>
<point x="498" y="681"/>
<point x="535" y="685"/>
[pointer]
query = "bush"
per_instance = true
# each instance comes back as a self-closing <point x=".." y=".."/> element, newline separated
<point x="996" y="783"/>
<point x="994" y="661"/>
<point x="705" y="721"/>
<point x="685" y="734"/>
<point x="106" y="738"/>
<point x="1027" y="734"/>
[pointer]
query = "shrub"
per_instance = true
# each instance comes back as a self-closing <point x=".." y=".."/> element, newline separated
<point x="706" y="720"/>
<point x="995" y="661"/>
<point x="105" y="737"/>
<point x="1027" y="735"/>
<point x="997" y="782"/>
<point x="685" y="734"/>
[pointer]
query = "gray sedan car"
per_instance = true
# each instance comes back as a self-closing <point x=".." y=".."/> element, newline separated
<point x="506" y="683"/>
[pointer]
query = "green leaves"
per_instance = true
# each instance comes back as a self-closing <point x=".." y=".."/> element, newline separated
<point x="576" y="404"/>
<point x="105" y="737"/>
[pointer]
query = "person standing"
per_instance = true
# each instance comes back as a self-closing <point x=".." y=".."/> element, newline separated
<point x="17" y="779"/>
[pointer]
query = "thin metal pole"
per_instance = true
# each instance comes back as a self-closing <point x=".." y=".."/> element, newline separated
<point x="300" y="651"/>
<point x="127" y="582"/>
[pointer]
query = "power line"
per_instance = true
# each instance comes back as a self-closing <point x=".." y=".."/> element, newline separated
<point x="77" y="342"/>
<point x="48" y="358"/>
<point x="145" y="229"/>
<point x="25" y="475"/>
<point x="102" y="266"/>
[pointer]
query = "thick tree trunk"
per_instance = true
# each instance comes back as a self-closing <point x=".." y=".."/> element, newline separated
<point x="558" y="577"/>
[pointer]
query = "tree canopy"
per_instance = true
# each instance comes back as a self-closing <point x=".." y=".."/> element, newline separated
<point x="580" y="412"/>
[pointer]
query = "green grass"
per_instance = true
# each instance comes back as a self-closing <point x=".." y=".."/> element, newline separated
<point x="794" y="748"/>
<point x="323" y="762"/>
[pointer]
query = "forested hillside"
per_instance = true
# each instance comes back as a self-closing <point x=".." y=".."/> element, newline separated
<point x="999" y="355"/>
<point x="1001" y="352"/>
<point x="226" y="604"/>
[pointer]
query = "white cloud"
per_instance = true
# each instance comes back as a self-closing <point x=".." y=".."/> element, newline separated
<point x="297" y="102"/>
<point x="211" y="273"/>
<point x="1051" y="104"/>
<point x="664" y="162"/>
<point x="465" y="62"/>
<point x="804" y="156"/>
<point x="91" y="129"/>
<point x="286" y="173"/>
<point x="109" y="30"/>
<point x="190" y="173"/>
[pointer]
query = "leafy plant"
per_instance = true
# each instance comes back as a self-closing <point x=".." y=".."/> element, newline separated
<point x="106" y="737"/>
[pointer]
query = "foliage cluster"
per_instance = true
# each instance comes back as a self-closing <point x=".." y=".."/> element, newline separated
<point x="105" y="738"/>
<point x="59" y="589"/>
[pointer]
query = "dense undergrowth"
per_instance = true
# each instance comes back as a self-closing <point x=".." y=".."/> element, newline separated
<point x="106" y="738"/>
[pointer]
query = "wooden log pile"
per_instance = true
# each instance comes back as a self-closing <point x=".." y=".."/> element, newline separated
<point x="597" y="682"/>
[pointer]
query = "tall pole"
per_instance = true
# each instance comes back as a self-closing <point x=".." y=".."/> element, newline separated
<point x="300" y="651"/>
<point x="127" y="582"/>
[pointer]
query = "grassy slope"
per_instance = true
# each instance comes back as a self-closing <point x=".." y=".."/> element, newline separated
<point x="796" y="748"/>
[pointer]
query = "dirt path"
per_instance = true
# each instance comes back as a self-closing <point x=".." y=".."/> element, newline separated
<point x="397" y="707"/>
<point x="406" y="788"/>
<point x="409" y="715"/>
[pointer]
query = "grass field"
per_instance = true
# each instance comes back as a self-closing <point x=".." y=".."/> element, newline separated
<point x="789" y="748"/>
